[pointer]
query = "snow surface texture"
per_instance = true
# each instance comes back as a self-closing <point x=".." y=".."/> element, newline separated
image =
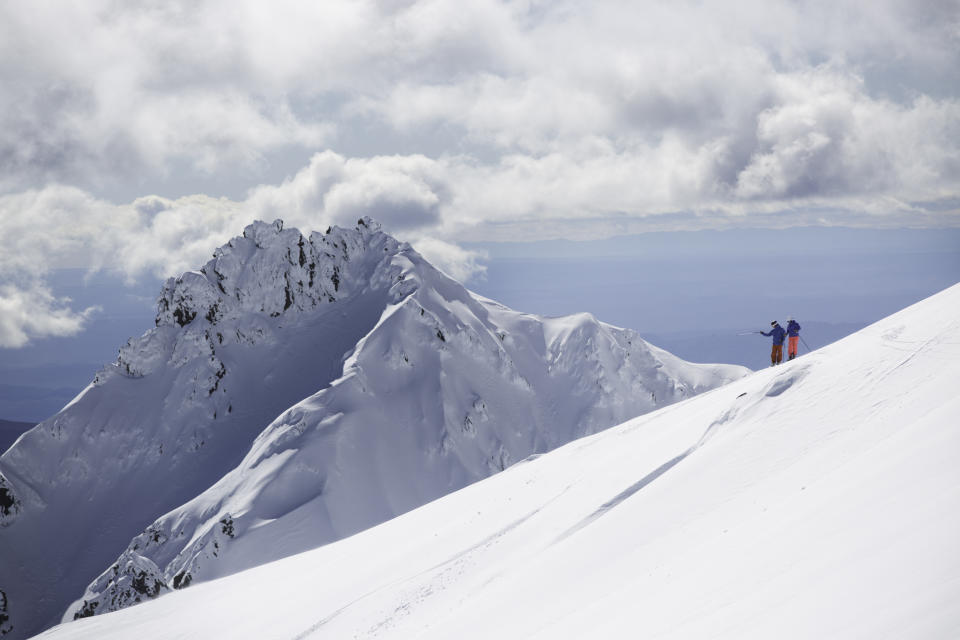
<point x="817" y="499"/>
<point x="393" y="386"/>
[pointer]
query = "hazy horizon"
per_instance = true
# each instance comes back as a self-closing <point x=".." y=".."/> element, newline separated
<point x="688" y="292"/>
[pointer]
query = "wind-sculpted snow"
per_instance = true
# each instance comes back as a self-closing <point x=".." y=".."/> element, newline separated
<point x="447" y="389"/>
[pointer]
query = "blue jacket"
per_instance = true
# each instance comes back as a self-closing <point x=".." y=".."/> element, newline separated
<point x="778" y="334"/>
<point x="793" y="329"/>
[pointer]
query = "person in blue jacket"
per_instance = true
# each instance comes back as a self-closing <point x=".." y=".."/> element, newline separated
<point x="776" y="355"/>
<point x="793" y="336"/>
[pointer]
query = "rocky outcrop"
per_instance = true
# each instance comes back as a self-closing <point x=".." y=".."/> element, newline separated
<point x="271" y="270"/>
<point x="10" y="504"/>
<point x="132" y="579"/>
<point x="5" y="626"/>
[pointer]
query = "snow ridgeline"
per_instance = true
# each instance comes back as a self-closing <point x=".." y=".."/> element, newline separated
<point x="393" y="384"/>
<point x="818" y="499"/>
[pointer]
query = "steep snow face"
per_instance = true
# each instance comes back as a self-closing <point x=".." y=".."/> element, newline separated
<point x="447" y="389"/>
<point x="818" y="499"/>
<point x="262" y="325"/>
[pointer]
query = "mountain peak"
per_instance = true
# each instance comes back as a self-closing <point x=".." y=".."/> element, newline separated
<point x="270" y="270"/>
<point x="267" y="272"/>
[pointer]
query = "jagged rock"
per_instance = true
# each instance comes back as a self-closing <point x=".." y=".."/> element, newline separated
<point x="227" y="526"/>
<point x="132" y="579"/>
<point x="182" y="580"/>
<point x="10" y="505"/>
<point x="5" y="626"/>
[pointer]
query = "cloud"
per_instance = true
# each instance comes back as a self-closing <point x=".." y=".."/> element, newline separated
<point x="65" y="227"/>
<point x="101" y="93"/>
<point x="402" y="192"/>
<point x="461" y="264"/>
<point x="826" y="137"/>
<point x="34" y="312"/>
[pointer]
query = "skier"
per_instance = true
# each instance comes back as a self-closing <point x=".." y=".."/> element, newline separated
<point x="793" y="336"/>
<point x="776" y="355"/>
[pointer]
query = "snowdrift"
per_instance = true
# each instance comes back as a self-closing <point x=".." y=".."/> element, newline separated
<point x="297" y="389"/>
<point x="817" y="499"/>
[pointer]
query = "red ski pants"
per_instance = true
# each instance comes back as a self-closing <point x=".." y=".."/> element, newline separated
<point x="792" y="347"/>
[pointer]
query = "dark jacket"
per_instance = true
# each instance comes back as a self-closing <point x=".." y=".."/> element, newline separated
<point x="793" y="329"/>
<point x="778" y="334"/>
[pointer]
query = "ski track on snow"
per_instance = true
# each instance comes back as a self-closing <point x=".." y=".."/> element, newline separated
<point x="891" y="336"/>
<point x="442" y="571"/>
<point x="778" y="386"/>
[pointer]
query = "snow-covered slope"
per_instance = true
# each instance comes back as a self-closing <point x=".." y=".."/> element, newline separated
<point x="818" y="499"/>
<point x="393" y="386"/>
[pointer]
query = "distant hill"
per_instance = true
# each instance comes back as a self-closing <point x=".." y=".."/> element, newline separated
<point x="10" y="431"/>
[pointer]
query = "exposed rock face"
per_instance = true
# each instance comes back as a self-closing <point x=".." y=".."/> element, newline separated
<point x="5" y="626"/>
<point x="132" y="579"/>
<point x="9" y="503"/>
<point x="270" y="270"/>
<point x="267" y="272"/>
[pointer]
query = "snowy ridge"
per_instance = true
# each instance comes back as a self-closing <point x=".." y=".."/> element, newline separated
<point x="817" y="499"/>
<point x="447" y="389"/>
<point x="394" y="385"/>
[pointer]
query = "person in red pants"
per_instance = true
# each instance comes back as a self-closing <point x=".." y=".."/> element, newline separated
<point x="793" y="336"/>
<point x="776" y="354"/>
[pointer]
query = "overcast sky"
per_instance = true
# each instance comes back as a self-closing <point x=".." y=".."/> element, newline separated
<point x="136" y="136"/>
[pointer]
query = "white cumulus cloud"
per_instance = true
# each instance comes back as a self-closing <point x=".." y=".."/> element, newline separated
<point x="33" y="312"/>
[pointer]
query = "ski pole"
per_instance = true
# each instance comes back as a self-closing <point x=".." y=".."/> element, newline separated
<point x="804" y="342"/>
